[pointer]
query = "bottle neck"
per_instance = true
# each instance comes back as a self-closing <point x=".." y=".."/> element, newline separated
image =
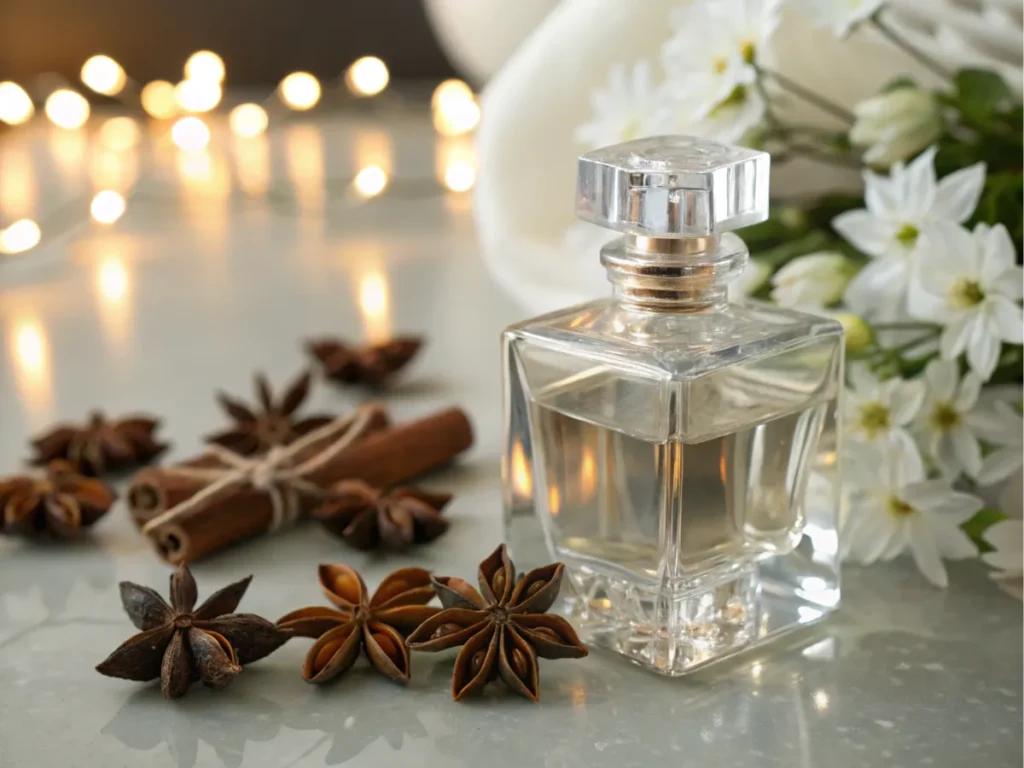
<point x="674" y="274"/>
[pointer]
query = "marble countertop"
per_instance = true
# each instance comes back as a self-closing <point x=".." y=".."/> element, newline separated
<point x="223" y="261"/>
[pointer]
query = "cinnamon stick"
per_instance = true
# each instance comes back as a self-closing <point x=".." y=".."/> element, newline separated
<point x="385" y="457"/>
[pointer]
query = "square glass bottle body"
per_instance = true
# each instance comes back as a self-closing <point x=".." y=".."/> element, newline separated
<point x="683" y="467"/>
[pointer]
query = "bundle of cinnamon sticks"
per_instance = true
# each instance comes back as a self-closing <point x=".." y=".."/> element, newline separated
<point x="202" y="505"/>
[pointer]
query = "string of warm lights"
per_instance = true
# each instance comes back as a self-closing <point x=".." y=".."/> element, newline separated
<point x="182" y="106"/>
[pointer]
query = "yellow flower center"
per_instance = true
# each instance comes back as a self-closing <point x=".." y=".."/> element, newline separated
<point x="874" y="418"/>
<point x="735" y="98"/>
<point x="907" y="235"/>
<point x="748" y="51"/>
<point x="945" y="417"/>
<point x="965" y="294"/>
<point x="899" y="508"/>
<point x="720" y="64"/>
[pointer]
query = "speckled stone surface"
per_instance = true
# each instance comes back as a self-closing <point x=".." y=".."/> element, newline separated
<point x="197" y="286"/>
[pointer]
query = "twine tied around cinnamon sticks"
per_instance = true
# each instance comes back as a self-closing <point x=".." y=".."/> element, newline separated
<point x="197" y="507"/>
<point x="275" y="472"/>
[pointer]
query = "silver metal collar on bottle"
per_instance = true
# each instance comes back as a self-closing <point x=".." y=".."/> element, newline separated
<point x="676" y="200"/>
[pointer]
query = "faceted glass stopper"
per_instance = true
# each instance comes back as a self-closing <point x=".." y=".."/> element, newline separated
<point x="673" y="186"/>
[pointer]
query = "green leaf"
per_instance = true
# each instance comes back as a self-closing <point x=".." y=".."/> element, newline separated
<point x="977" y="525"/>
<point x="899" y="82"/>
<point x="980" y="93"/>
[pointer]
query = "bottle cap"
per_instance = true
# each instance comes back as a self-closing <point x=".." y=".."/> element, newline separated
<point x="673" y="186"/>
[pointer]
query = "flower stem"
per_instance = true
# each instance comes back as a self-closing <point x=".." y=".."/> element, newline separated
<point x="821" y="102"/>
<point x="909" y="325"/>
<point x="919" y="56"/>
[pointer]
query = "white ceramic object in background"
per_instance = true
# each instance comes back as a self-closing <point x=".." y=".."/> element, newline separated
<point x="480" y="35"/>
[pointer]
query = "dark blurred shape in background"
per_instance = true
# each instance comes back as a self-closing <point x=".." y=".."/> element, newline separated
<point x="259" y="40"/>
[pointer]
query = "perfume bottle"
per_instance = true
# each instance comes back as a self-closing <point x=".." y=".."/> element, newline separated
<point x="676" y="451"/>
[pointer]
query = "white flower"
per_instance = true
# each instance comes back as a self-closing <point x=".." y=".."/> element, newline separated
<point x="893" y="507"/>
<point x="971" y="284"/>
<point x="948" y="421"/>
<point x="1003" y="427"/>
<point x="814" y="280"/>
<point x="624" y="109"/>
<point x="750" y="279"/>
<point x="900" y="208"/>
<point x="897" y="124"/>
<point x="839" y="15"/>
<point x="878" y="412"/>
<point x="1007" y="539"/>
<point x="709" y="62"/>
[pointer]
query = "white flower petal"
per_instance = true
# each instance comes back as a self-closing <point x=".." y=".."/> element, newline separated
<point x="905" y="465"/>
<point x="919" y="187"/>
<point x="944" y="452"/>
<point x="879" y="289"/>
<point x="863" y="381"/>
<point x="1004" y="561"/>
<point x="926" y="551"/>
<point x="957" y="194"/>
<point x="942" y="378"/>
<point x="997" y="250"/>
<point x="968" y="392"/>
<point x="1008" y="318"/>
<point x="1006" y="535"/>
<point x="982" y="350"/>
<point x="952" y="542"/>
<point x="966" y="449"/>
<point x="864" y="231"/>
<point x="956" y="335"/>
<point x="876" y="537"/>
<point x="1008" y="284"/>
<point x="882" y="195"/>
<point x="905" y="403"/>
<point x="999" y="465"/>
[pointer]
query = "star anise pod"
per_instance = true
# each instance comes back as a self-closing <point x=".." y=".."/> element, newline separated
<point x="272" y="422"/>
<point x="366" y="517"/>
<point x="181" y="644"/>
<point x="372" y="365"/>
<point x="503" y="631"/>
<point x="100" y="445"/>
<point x="378" y="625"/>
<point x="59" y="504"/>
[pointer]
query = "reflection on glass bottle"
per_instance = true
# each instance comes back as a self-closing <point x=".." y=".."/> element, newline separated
<point x="662" y="443"/>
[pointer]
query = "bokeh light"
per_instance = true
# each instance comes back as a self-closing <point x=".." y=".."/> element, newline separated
<point x="460" y="176"/>
<point x="15" y="105"/>
<point x="455" y="109"/>
<point x="107" y="206"/>
<point x="119" y="133"/>
<point x="20" y="236"/>
<point x="370" y="181"/>
<point x="300" y="91"/>
<point x="197" y="95"/>
<point x="190" y="134"/>
<point x="67" y="109"/>
<point x="367" y="76"/>
<point x="104" y="75"/>
<point x="158" y="100"/>
<point x="206" y="66"/>
<point x="248" y="120"/>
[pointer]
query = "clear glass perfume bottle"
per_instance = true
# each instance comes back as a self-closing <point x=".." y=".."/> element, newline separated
<point x="674" y="450"/>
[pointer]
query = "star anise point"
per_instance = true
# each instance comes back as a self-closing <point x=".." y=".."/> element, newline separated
<point x="502" y="629"/>
<point x="375" y="624"/>
<point x="180" y="643"/>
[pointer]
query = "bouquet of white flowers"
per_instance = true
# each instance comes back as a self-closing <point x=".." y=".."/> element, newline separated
<point x="922" y="269"/>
